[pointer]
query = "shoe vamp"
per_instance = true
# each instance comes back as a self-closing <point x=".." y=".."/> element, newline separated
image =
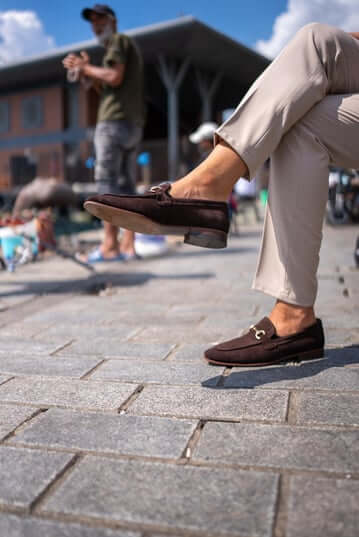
<point x="176" y="214"/>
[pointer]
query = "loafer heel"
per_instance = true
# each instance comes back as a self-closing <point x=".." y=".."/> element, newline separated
<point x="310" y="355"/>
<point x="207" y="238"/>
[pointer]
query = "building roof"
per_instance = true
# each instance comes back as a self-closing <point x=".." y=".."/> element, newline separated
<point x="185" y="37"/>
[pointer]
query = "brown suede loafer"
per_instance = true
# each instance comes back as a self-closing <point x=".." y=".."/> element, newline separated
<point x="202" y="222"/>
<point x="261" y="346"/>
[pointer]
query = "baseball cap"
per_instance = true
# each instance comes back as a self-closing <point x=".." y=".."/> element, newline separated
<point x="204" y="132"/>
<point x="99" y="9"/>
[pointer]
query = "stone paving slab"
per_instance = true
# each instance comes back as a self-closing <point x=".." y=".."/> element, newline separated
<point x="75" y="331"/>
<point x="3" y="379"/>
<point x="342" y="336"/>
<point x="334" y="409"/>
<point x="218" y="502"/>
<point x="98" y="345"/>
<point x="144" y="318"/>
<point x="181" y="333"/>
<point x="80" y="394"/>
<point x="310" y="376"/>
<point x="12" y="416"/>
<point x="280" y="446"/>
<point x="323" y="507"/>
<point x="14" y="526"/>
<point x="24" y="330"/>
<point x="51" y="366"/>
<point x="25" y="473"/>
<point x="25" y="346"/>
<point x="63" y="317"/>
<point x="116" y="348"/>
<point x="155" y="372"/>
<point x="190" y="352"/>
<point x="126" y="435"/>
<point x="202" y="403"/>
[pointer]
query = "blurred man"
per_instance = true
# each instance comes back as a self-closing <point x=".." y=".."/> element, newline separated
<point x="120" y="119"/>
<point x="203" y="138"/>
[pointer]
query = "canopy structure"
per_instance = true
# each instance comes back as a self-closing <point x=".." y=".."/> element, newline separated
<point x="192" y="72"/>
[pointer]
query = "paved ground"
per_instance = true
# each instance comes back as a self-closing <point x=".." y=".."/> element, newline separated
<point x="112" y="425"/>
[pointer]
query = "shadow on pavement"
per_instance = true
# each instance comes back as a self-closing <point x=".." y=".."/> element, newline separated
<point x="196" y="252"/>
<point x="92" y="283"/>
<point x="259" y="376"/>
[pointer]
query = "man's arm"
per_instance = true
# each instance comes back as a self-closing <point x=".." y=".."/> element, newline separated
<point x="113" y="76"/>
<point x="354" y="34"/>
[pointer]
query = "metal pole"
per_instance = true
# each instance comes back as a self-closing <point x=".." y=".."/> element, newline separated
<point x="207" y="89"/>
<point x="172" y="79"/>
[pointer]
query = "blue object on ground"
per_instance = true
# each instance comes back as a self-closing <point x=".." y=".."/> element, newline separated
<point x="96" y="256"/>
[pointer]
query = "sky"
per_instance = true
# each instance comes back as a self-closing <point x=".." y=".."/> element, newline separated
<point x="29" y="27"/>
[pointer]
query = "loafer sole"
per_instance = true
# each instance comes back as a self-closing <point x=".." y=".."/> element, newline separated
<point x="205" y="237"/>
<point x="309" y="355"/>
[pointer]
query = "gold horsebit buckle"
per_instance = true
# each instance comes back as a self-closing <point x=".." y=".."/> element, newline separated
<point x="156" y="189"/>
<point x="258" y="333"/>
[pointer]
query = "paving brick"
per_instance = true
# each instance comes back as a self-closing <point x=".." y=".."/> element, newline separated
<point x="14" y="526"/>
<point x="20" y="346"/>
<point x="23" y="330"/>
<point x="12" y="416"/>
<point x="216" y="501"/>
<point x="190" y="352"/>
<point x="155" y="372"/>
<point x="319" y="506"/>
<point x="200" y="402"/>
<point x="75" y="331"/>
<point x="116" y="348"/>
<point x="139" y="317"/>
<point x="130" y="435"/>
<point x="82" y="394"/>
<point x="308" y="376"/>
<point x="64" y="317"/>
<point x="98" y="345"/>
<point x="180" y="333"/>
<point x="3" y="379"/>
<point x="280" y="447"/>
<point x="25" y="473"/>
<point x="143" y="351"/>
<point x="335" y="409"/>
<point x="51" y="366"/>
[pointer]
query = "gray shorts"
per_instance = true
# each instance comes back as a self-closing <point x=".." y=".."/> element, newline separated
<point x="116" y="146"/>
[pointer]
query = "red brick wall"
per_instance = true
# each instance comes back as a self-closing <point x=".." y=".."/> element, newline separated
<point x="53" y="114"/>
<point x="49" y="157"/>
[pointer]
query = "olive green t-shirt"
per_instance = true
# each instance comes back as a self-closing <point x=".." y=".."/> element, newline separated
<point x="127" y="100"/>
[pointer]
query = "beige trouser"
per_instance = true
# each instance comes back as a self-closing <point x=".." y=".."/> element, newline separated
<point x="303" y="113"/>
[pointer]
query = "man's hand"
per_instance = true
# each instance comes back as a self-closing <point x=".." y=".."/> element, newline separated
<point x="72" y="61"/>
<point x="113" y="76"/>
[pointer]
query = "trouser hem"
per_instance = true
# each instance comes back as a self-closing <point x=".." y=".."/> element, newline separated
<point x="284" y="296"/>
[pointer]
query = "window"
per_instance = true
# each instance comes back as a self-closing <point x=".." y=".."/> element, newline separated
<point x="32" y="112"/>
<point x="4" y="117"/>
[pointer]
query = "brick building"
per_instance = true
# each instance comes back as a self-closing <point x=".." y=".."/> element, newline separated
<point x="192" y="73"/>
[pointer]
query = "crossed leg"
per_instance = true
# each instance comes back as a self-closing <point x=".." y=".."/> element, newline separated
<point x="303" y="129"/>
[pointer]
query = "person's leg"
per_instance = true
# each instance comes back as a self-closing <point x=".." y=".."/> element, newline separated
<point x="110" y="246"/>
<point x="128" y="176"/>
<point x="107" y="163"/>
<point x="298" y="193"/>
<point x="320" y="60"/>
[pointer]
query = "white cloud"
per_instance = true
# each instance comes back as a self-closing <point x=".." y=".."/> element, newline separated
<point x="341" y="13"/>
<point x="22" y="34"/>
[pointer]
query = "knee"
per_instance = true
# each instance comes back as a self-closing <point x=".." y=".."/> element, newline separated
<point x="314" y="31"/>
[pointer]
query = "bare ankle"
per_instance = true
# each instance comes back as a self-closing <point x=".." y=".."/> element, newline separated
<point x="289" y="318"/>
